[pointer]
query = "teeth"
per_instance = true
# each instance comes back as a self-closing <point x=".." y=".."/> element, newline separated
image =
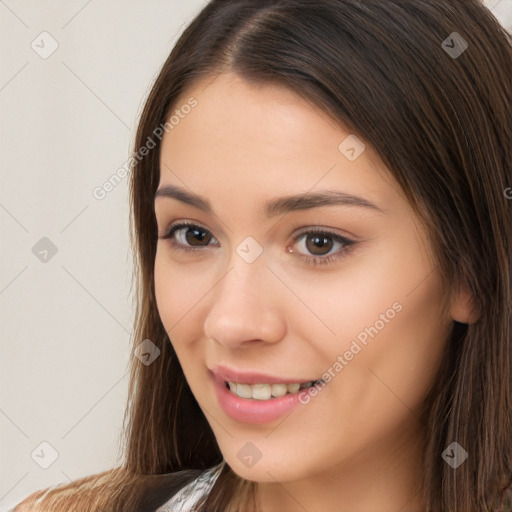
<point x="293" y="388"/>
<point x="266" y="391"/>
<point x="244" y="390"/>
<point x="261" y="391"/>
<point x="278" y="390"/>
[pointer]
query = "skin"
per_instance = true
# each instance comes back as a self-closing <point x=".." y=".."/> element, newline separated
<point x="357" y="445"/>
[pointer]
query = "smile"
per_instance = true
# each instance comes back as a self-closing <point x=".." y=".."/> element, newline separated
<point x="254" y="397"/>
<point x="266" y="391"/>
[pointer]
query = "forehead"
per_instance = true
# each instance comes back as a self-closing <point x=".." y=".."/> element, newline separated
<point x="229" y="108"/>
<point x="252" y="137"/>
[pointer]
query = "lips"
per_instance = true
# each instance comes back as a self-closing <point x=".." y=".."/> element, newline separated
<point x="226" y="374"/>
<point x="262" y="408"/>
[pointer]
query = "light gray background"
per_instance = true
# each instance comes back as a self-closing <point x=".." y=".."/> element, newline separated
<point x="67" y="124"/>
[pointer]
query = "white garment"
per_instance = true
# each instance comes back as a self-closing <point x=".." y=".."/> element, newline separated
<point x="188" y="496"/>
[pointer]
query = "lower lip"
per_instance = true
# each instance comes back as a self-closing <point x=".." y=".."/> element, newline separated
<point x="247" y="410"/>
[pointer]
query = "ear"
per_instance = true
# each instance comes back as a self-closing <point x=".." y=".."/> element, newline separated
<point x="463" y="307"/>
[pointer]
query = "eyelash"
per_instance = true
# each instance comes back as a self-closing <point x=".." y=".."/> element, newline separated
<point x="309" y="260"/>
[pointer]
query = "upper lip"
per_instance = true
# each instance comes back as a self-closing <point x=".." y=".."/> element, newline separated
<point x="252" y="377"/>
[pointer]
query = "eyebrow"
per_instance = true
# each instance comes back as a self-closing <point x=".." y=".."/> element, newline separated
<point x="275" y="206"/>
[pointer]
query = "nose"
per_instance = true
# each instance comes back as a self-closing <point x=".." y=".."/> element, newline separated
<point x="245" y="306"/>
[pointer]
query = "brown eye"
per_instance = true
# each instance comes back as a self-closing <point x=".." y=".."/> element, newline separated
<point x="189" y="236"/>
<point x="197" y="236"/>
<point x="319" y="244"/>
<point x="316" y="247"/>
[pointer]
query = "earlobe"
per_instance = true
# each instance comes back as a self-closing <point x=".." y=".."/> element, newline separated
<point x="463" y="306"/>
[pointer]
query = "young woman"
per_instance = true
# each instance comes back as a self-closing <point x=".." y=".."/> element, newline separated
<point x="321" y="198"/>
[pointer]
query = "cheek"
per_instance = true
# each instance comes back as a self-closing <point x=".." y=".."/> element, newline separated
<point x="409" y="352"/>
<point x="385" y="311"/>
<point x="395" y="338"/>
<point x="177" y="293"/>
<point x="178" y="289"/>
<point x="365" y="294"/>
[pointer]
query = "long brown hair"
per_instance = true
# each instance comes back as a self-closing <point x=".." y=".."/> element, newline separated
<point x="439" y="115"/>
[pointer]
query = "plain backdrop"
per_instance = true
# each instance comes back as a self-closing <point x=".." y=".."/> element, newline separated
<point x="73" y="78"/>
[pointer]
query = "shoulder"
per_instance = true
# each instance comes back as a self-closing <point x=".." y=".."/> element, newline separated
<point x="155" y="491"/>
<point x="190" y="494"/>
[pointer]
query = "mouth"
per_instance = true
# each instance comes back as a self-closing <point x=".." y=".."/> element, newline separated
<point x="267" y="391"/>
<point x="257" y="398"/>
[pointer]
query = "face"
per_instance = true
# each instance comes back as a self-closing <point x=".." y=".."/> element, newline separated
<point x="257" y="291"/>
